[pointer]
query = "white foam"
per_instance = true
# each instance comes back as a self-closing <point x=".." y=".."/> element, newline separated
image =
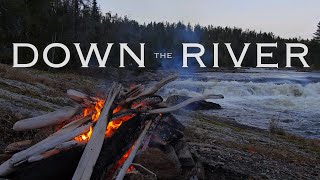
<point x="255" y="103"/>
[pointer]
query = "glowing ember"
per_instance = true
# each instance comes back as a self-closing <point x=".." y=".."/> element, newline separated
<point x="86" y="112"/>
<point x="84" y="137"/>
<point x="114" y="125"/>
<point x="120" y="162"/>
<point x="124" y="157"/>
<point x="131" y="168"/>
<point x="138" y="105"/>
<point x="117" y="109"/>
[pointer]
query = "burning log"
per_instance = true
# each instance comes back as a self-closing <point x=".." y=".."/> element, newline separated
<point x="116" y="146"/>
<point x="133" y="153"/>
<point x="123" y="114"/>
<point x="45" y="145"/>
<point x="93" y="148"/>
<point x="49" y="119"/>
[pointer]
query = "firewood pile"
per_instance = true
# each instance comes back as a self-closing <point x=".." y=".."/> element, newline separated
<point x="127" y="133"/>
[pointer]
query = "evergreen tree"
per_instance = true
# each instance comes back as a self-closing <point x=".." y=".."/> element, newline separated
<point x="42" y="22"/>
<point x="95" y="11"/>
<point x="317" y="33"/>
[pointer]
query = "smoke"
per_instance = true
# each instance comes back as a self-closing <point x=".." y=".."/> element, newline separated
<point x="185" y="35"/>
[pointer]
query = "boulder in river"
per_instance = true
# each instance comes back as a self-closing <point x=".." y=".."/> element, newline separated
<point x="200" y="105"/>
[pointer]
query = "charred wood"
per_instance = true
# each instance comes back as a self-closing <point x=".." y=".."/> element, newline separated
<point x="116" y="146"/>
<point x="133" y="153"/>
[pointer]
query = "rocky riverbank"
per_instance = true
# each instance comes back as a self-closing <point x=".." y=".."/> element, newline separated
<point x="230" y="150"/>
<point x="227" y="150"/>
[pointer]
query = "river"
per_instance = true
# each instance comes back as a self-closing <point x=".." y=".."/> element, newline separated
<point x="255" y="96"/>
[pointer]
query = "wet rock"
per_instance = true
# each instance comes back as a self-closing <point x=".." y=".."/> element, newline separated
<point x="172" y="121"/>
<point x="167" y="133"/>
<point x="184" y="154"/>
<point x="200" y="105"/>
<point x="165" y="164"/>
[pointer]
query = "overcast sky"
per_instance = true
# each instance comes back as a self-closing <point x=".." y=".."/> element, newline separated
<point x="286" y="18"/>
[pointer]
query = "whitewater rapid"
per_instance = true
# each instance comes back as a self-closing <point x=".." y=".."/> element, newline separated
<point x="256" y="96"/>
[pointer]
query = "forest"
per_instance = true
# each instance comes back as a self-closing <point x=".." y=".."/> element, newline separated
<point x="81" y="21"/>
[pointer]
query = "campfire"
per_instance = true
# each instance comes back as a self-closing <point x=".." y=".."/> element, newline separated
<point x="106" y="137"/>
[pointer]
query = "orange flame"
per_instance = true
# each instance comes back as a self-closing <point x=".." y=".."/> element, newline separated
<point x="115" y="124"/>
<point x="120" y="162"/>
<point x="124" y="157"/>
<point x="117" y="109"/>
<point x="96" y="111"/>
<point x="84" y="137"/>
<point x="131" y="168"/>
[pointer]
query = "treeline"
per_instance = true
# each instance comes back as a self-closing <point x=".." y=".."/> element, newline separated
<point x="41" y="22"/>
